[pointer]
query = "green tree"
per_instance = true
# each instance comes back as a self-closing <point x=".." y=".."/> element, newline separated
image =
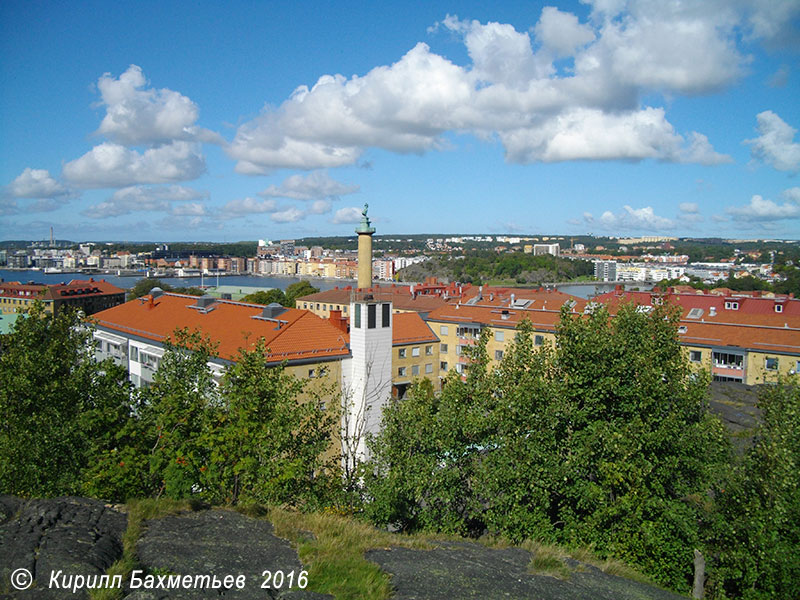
<point x="271" y="435"/>
<point x="268" y="297"/>
<point x="58" y="406"/>
<point x="143" y="287"/>
<point x="756" y="540"/>
<point x="603" y="441"/>
<point x="297" y="290"/>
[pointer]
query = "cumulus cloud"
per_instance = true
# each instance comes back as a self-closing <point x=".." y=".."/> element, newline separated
<point x="136" y="114"/>
<point x="350" y="214"/>
<point x="247" y="206"/>
<point x="141" y="198"/>
<point x="765" y="210"/>
<point x="35" y="183"/>
<point x="320" y="207"/>
<point x="113" y="165"/>
<point x="775" y="144"/>
<point x="630" y="219"/>
<point x="314" y="186"/>
<point x="288" y="215"/>
<point x="513" y="90"/>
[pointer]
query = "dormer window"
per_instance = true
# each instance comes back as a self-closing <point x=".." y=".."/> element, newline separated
<point x="730" y="305"/>
<point x="779" y="308"/>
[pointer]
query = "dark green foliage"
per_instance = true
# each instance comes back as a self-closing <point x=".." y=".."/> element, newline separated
<point x="58" y="407"/>
<point x="756" y="539"/>
<point x="485" y="265"/>
<point x="143" y="287"/>
<point x="254" y="438"/>
<point x="261" y="297"/>
<point x="604" y="441"/>
<point x="297" y="290"/>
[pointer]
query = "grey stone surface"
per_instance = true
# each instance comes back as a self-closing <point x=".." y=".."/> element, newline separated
<point x="75" y="535"/>
<point x="466" y="571"/>
<point x="219" y="542"/>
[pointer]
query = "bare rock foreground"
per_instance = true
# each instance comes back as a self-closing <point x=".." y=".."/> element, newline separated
<point x="78" y="536"/>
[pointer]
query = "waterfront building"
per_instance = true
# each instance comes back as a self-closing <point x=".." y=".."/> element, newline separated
<point x="89" y="296"/>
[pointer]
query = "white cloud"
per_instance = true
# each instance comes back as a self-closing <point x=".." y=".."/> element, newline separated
<point x="762" y="209"/>
<point x="139" y="198"/>
<point x="190" y="209"/>
<point x="112" y="165"/>
<point x="320" y="207"/>
<point x="288" y="215"/>
<point x="561" y="31"/>
<point x="512" y="91"/>
<point x="631" y="219"/>
<point x="137" y="115"/>
<point x="314" y="186"/>
<point x="8" y="206"/>
<point x="350" y="214"/>
<point x="247" y="206"/>
<point x="35" y="183"/>
<point x="775" y="144"/>
<point x="689" y="207"/>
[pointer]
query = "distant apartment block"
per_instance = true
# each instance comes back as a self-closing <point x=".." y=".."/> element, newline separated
<point x="89" y="296"/>
<point x="553" y="249"/>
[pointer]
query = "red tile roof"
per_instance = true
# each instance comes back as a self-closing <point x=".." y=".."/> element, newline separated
<point x="409" y="328"/>
<point x="300" y="335"/>
<point x="59" y="291"/>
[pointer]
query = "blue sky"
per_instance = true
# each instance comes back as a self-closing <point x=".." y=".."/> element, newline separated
<point x="171" y="121"/>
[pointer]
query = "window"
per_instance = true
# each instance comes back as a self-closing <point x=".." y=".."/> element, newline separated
<point x="428" y="350"/>
<point x="415" y="351"/>
<point x="443" y="330"/>
<point x="538" y="340"/>
<point x="772" y="364"/>
<point x="695" y="355"/>
<point x="415" y="369"/>
<point x="134" y="353"/>
<point x="401" y="372"/>
<point x="683" y="329"/>
<point x="779" y="308"/>
<point x="324" y="307"/>
<point x="727" y="360"/>
<point x="443" y="366"/>
<point x="311" y="373"/>
<point x="429" y="368"/>
<point x="401" y="353"/>
<point x="357" y="316"/>
<point x="386" y="316"/>
<point x="498" y="355"/>
<point x="442" y="347"/>
<point x="372" y="313"/>
<point x="499" y="336"/>
<point x="729" y="305"/>
<point x="305" y="304"/>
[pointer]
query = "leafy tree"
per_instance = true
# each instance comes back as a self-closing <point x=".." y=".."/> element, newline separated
<point x="603" y="441"/>
<point x="143" y="287"/>
<point x="58" y="407"/>
<point x="297" y="290"/>
<point x="756" y="540"/>
<point x="268" y="297"/>
<point x="270" y="439"/>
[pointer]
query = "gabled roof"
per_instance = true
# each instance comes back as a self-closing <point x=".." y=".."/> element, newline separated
<point x="409" y="328"/>
<point x="292" y="335"/>
<point x="60" y="291"/>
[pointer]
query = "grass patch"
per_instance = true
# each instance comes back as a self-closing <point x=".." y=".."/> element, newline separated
<point x="138" y="511"/>
<point x="333" y="547"/>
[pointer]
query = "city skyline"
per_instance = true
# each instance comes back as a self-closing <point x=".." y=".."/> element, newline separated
<point x="248" y="120"/>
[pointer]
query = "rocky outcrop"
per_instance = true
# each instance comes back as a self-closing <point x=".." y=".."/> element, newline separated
<point x="71" y="535"/>
<point x="84" y="537"/>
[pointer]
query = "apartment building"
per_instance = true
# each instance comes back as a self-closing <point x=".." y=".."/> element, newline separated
<point x="746" y="337"/>
<point x="133" y="334"/>
<point x="415" y="353"/>
<point x="89" y="296"/>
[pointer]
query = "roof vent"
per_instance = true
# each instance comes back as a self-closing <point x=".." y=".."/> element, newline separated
<point x="712" y="312"/>
<point x="505" y="315"/>
<point x="156" y="292"/>
<point x="273" y="311"/>
<point x="205" y="302"/>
